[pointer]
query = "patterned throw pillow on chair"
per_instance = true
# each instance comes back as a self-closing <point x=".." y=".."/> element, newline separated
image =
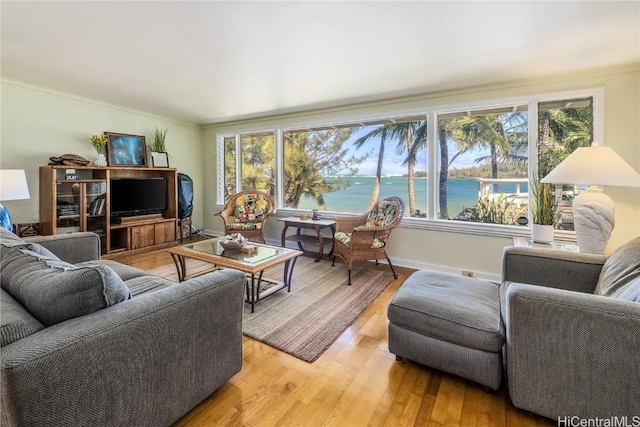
<point x="382" y="215"/>
<point x="345" y="239"/>
<point x="250" y="209"/>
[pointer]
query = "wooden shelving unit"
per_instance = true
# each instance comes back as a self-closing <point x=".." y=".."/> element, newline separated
<point x="82" y="203"/>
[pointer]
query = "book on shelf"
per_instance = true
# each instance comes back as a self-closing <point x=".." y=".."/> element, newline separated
<point x="100" y="210"/>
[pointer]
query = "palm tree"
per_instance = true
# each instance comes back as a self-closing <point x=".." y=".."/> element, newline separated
<point x="383" y="133"/>
<point x="407" y="134"/>
<point x="420" y="143"/>
<point x="560" y="132"/>
<point x="505" y="135"/>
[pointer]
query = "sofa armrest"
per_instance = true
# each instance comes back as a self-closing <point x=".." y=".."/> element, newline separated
<point x="145" y="361"/>
<point x="556" y="269"/>
<point x="570" y="353"/>
<point x="73" y="247"/>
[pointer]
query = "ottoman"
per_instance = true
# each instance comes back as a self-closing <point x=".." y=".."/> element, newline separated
<point x="451" y="323"/>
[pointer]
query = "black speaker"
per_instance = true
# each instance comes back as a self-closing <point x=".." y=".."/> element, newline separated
<point x="185" y="196"/>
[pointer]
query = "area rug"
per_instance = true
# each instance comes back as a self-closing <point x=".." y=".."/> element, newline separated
<point x="319" y="308"/>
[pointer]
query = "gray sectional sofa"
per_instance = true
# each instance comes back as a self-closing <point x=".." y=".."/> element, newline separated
<point x="89" y="342"/>
<point x="564" y="327"/>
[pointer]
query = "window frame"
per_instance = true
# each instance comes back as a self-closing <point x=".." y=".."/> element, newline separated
<point x="430" y="113"/>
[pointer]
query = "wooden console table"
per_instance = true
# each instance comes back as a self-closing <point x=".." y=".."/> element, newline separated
<point x="317" y="225"/>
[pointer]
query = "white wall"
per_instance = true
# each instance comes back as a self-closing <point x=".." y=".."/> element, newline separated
<point x="38" y="123"/>
<point x="481" y="254"/>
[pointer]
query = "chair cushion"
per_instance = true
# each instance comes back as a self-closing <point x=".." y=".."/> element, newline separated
<point x="16" y="322"/>
<point x="382" y="214"/>
<point x="244" y="226"/>
<point x="345" y="239"/>
<point x="620" y="274"/>
<point x="53" y="290"/>
<point x="250" y="208"/>
<point x="451" y="308"/>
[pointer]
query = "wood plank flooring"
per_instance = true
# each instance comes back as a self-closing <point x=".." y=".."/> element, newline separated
<point x="356" y="382"/>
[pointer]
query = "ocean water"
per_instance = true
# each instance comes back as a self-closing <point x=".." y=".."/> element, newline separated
<point x="355" y="198"/>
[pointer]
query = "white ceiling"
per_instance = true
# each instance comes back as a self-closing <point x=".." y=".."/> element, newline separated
<point x="214" y="61"/>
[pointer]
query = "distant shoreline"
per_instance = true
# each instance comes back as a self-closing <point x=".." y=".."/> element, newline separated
<point x="462" y="193"/>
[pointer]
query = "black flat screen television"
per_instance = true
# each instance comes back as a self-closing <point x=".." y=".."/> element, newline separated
<point x="138" y="196"/>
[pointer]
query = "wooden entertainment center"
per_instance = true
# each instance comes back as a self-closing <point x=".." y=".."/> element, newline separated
<point x="77" y="198"/>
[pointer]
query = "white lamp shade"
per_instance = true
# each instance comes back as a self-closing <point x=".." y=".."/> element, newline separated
<point x="594" y="166"/>
<point x="13" y="185"/>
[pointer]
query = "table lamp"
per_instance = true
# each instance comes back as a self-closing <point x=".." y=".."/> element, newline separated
<point x="593" y="211"/>
<point x="13" y="186"/>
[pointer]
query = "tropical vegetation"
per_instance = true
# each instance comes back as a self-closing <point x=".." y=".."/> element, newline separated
<point x="543" y="203"/>
<point x="159" y="140"/>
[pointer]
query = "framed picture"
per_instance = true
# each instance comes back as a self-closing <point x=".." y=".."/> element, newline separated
<point x="159" y="159"/>
<point x="126" y="150"/>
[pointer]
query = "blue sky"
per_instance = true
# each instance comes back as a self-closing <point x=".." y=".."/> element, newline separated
<point x="393" y="161"/>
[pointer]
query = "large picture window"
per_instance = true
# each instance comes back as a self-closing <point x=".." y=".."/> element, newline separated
<point x="482" y="160"/>
<point x="346" y="169"/>
<point x="484" y="165"/>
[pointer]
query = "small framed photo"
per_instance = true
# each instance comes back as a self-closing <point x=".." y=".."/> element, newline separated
<point x="159" y="159"/>
<point x="126" y="150"/>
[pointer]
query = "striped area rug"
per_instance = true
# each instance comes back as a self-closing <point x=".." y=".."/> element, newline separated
<point x="319" y="308"/>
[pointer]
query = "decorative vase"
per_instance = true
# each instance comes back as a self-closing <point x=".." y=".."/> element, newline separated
<point x="100" y="161"/>
<point x="542" y="233"/>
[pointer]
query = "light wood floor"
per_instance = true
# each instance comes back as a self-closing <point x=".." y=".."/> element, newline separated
<point x="356" y="382"/>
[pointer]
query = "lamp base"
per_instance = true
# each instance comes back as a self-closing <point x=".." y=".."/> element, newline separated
<point x="593" y="219"/>
<point x="5" y="218"/>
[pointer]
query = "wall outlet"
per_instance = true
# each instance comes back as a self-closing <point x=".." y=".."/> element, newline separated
<point x="467" y="273"/>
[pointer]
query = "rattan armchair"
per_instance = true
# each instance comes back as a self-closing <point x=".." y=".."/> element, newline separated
<point x="364" y="237"/>
<point x="246" y="213"/>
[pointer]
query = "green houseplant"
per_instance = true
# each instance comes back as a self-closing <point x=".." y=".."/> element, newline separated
<point x="159" y="138"/>
<point x="543" y="211"/>
<point x="159" y="156"/>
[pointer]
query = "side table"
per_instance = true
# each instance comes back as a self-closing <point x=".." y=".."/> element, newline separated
<point x="317" y="225"/>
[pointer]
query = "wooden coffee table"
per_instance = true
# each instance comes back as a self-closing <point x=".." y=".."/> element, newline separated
<point x="252" y="264"/>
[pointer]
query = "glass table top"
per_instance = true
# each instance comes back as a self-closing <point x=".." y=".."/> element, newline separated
<point x="260" y="254"/>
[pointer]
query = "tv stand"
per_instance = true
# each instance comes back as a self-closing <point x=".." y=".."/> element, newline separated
<point x="137" y="218"/>
<point x="67" y="204"/>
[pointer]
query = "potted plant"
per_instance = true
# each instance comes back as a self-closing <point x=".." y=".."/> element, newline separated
<point x="99" y="142"/>
<point x="159" y="156"/>
<point x="543" y="211"/>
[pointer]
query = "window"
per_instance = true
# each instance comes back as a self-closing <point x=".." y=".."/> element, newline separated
<point x="474" y="166"/>
<point x="256" y="166"/>
<point x="229" y="166"/>
<point x="346" y="168"/>
<point x="563" y="126"/>
<point x="484" y="165"/>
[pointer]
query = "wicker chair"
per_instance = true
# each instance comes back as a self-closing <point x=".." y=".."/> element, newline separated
<point x="246" y="213"/>
<point x="364" y="237"/>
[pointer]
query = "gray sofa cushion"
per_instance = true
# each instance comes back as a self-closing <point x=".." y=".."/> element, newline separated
<point x="145" y="284"/>
<point x="7" y="238"/>
<point x="53" y="290"/>
<point x="125" y="272"/>
<point x="15" y="321"/>
<point x="620" y="275"/>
